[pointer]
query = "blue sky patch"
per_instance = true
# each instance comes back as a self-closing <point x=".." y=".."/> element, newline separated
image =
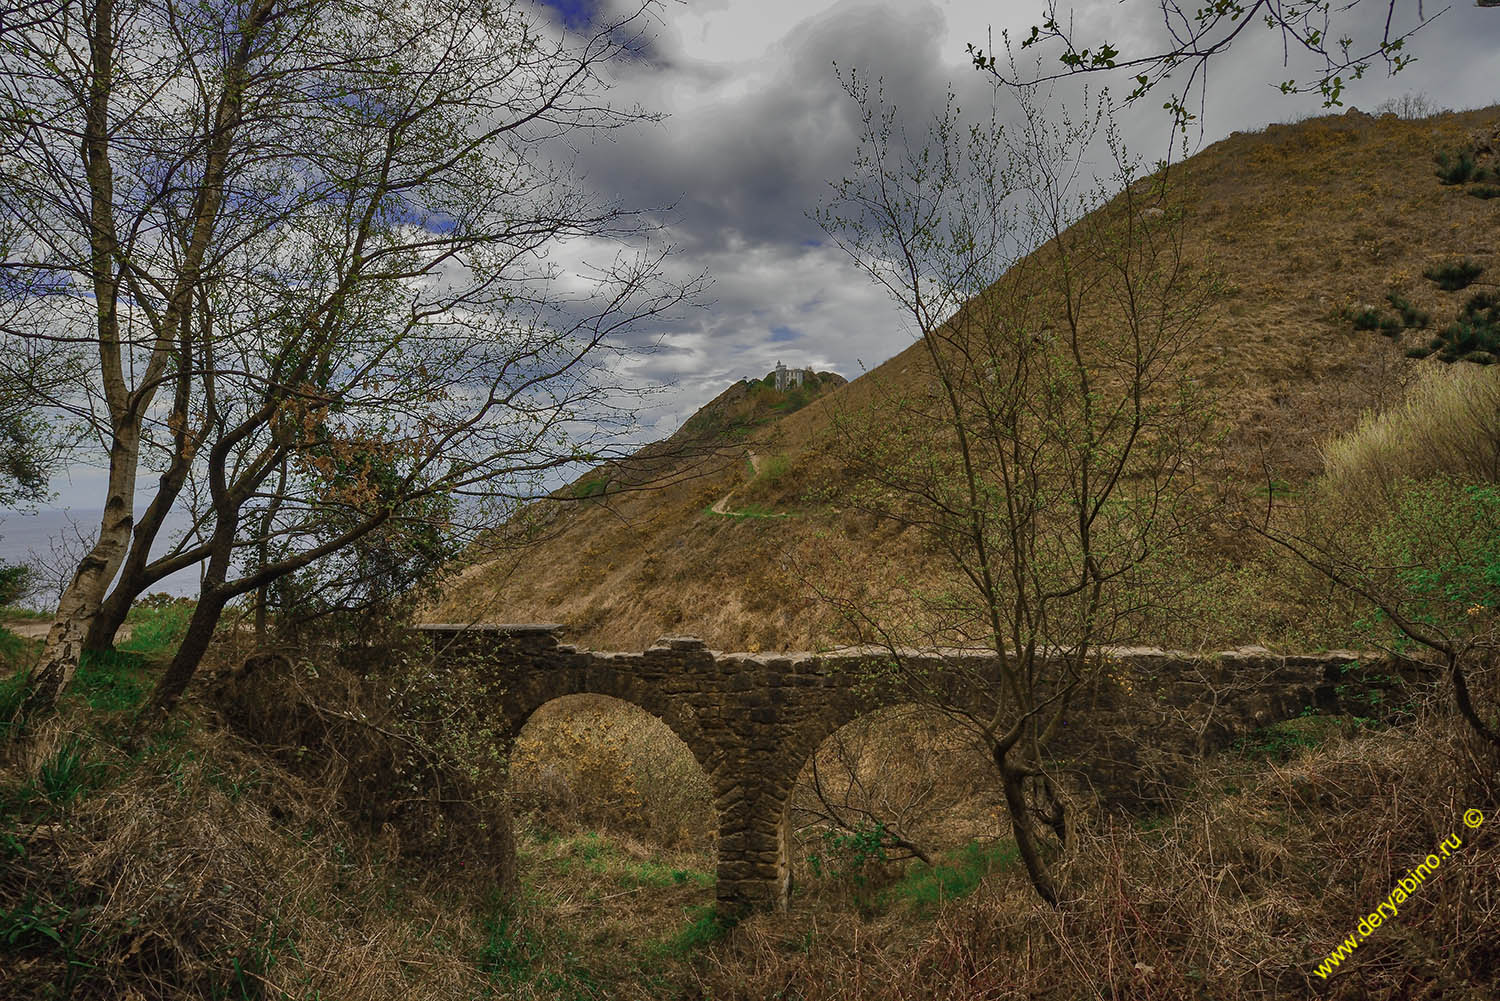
<point x="780" y="335"/>
<point x="574" y="14"/>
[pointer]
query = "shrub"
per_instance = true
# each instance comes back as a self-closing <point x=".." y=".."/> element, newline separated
<point x="1475" y="335"/>
<point x="1485" y="191"/>
<point x="1468" y="337"/>
<point x="15" y="582"/>
<point x="1411" y="316"/>
<point x="1452" y="277"/>
<point x="405" y="749"/>
<point x="773" y="468"/>
<point x="1459" y="167"/>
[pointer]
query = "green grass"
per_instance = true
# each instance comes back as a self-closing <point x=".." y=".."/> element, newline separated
<point x="1281" y="742"/>
<point x="593" y="486"/>
<point x="509" y="954"/>
<point x="66" y="774"/>
<point x="925" y="887"/>
<point x="12" y="694"/>
<point x="703" y="929"/>
<point x="15" y="613"/>
<point x="157" y="628"/>
<point x="13" y="648"/>
<point x="112" y="680"/>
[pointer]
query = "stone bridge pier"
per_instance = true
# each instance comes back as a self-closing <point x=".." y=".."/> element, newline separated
<point x="753" y="720"/>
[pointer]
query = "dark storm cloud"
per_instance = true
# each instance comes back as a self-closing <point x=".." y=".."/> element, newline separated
<point x="757" y="131"/>
<point x="757" y="147"/>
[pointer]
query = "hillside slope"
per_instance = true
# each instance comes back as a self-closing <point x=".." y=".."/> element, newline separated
<point x="1309" y="224"/>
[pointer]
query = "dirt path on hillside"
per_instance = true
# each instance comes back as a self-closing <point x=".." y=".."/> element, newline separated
<point x="720" y="505"/>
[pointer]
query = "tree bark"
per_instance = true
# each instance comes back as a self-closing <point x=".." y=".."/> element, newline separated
<point x="1013" y="783"/>
<point x="195" y="643"/>
<point x="79" y="605"/>
<point x="200" y="631"/>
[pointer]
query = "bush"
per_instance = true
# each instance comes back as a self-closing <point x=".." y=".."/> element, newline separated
<point x="1484" y="191"/>
<point x="16" y="580"/>
<point x="407" y="750"/>
<point x="1411" y="316"/>
<point x="1475" y="335"/>
<point x="1459" y="168"/>
<point x="1452" y="277"/>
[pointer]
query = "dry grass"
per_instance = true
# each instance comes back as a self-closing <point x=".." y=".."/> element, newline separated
<point x="205" y="864"/>
<point x="1448" y="424"/>
<point x="197" y="868"/>
<point x="1236" y="895"/>
<point x="587" y="763"/>
<point x="1306" y="222"/>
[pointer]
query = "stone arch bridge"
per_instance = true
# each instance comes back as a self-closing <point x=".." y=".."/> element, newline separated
<point x="753" y="720"/>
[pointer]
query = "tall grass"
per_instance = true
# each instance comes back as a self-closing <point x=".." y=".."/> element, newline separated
<point x="1449" y="423"/>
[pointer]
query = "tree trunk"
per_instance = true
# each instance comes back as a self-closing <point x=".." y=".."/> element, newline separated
<point x="110" y="617"/>
<point x="200" y="633"/>
<point x="80" y="603"/>
<point x="1013" y="782"/>
<point x="133" y="576"/>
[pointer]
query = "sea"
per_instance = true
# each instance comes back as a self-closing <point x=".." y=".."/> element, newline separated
<point x="49" y="539"/>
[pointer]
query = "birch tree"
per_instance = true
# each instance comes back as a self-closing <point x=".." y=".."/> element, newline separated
<point x="306" y="246"/>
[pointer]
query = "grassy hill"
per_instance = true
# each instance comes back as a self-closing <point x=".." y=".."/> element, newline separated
<point x="1324" y="233"/>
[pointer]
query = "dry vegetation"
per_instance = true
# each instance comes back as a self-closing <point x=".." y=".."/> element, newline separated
<point x="1308" y="223"/>
<point x="228" y="856"/>
<point x="338" y="824"/>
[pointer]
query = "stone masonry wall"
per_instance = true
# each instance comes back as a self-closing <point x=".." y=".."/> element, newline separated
<point x="753" y="720"/>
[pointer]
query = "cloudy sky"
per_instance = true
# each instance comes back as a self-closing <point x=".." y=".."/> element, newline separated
<point x="757" y="125"/>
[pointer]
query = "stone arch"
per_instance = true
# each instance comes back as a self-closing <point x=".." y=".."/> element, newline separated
<point x="752" y="719"/>
<point x="520" y="704"/>
<point x="565" y="707"/>
<point x="840" y="716"/>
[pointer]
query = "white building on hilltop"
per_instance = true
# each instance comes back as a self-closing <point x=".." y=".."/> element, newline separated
<point x="784" y="378"/>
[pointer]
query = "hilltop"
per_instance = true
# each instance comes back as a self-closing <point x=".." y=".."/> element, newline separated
<point x="1321" y="231"/>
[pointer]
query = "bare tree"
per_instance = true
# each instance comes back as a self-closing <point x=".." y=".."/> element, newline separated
<point x="52" y="571"/>
<point x="1340" y="48"/>
<point x="323" y="229"/>
<point x="1045" y="457"/>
